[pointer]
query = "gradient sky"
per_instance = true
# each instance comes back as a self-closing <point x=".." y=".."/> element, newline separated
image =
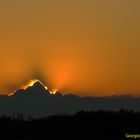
<point x="91" y="47"/>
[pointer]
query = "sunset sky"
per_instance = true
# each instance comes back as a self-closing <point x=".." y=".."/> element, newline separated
<point x="88" y="47"/>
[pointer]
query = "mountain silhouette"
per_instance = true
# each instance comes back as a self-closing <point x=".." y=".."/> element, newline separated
<point x="36" y="100"/>
<point x="37" y="90"/>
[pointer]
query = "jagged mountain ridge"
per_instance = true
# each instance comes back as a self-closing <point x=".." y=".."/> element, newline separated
<point x="38" y="101"/>
<point x="37" y="89"/>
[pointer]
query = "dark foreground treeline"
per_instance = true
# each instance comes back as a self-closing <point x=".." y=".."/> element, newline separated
<point x="96" y="125"/>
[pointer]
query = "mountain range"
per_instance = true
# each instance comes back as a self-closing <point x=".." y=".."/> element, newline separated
<point x="37" y="101"/>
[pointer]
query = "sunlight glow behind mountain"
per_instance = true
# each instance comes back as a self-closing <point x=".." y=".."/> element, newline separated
<point x="30" y="83"/>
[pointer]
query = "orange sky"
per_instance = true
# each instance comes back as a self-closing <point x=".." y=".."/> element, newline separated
<point x="91" y="47"/>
